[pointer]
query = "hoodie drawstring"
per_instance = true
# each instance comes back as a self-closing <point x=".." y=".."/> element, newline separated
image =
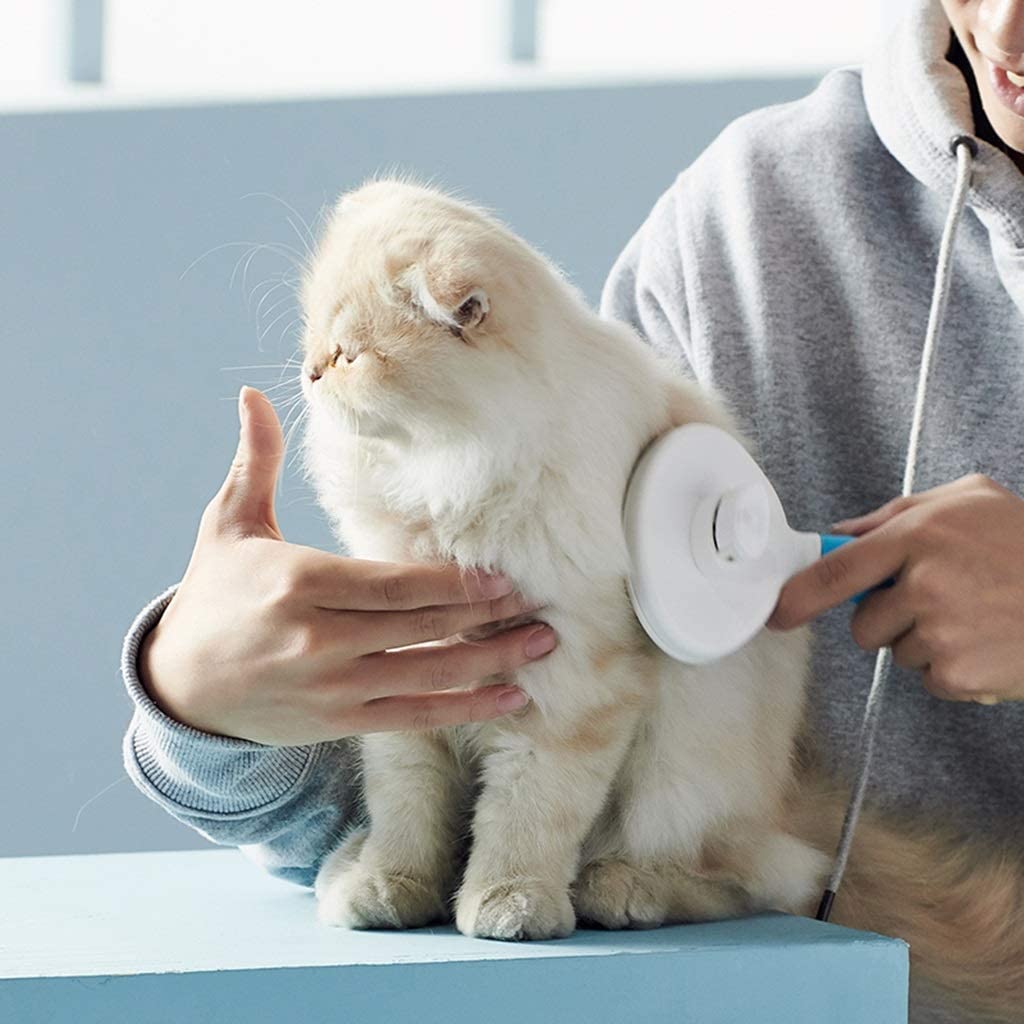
<point x="966" y="150"/>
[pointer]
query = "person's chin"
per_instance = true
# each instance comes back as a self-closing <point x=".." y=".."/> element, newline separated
<point x="1007" y="126"/>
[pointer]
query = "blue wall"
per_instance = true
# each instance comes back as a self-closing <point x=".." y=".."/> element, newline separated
<point x="118" y="416"/>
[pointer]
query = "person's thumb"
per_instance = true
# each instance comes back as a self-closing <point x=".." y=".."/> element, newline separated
<point x="245" y="502"/>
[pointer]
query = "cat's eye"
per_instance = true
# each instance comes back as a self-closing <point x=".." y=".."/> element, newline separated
<point x="471" y="312"/>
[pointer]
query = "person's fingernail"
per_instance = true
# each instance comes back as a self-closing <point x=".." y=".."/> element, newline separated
<point x="540" y="641"/>
<point x="512" y="700"/>
<point x="495" y="586"/>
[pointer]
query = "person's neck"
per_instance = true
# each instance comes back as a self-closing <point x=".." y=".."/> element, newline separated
<point x="982" y="125"/>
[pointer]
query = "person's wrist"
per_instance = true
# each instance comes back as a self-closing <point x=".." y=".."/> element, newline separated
<point x="155" y="678"/>
<point x="145" y="668"/>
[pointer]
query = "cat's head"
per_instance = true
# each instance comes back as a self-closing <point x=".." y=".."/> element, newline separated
<point x="424" y="313"/>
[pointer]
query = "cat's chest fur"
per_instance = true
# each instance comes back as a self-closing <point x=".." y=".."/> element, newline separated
<point x="561" y="545"/>
<point x="548" y="529"/>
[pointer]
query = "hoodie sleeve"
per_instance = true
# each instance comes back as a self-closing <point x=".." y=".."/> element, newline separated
<point x="648" y="288"/>
<point x="286" y="807"/>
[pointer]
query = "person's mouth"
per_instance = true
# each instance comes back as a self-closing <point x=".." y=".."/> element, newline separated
<point x="1008" y="86"/>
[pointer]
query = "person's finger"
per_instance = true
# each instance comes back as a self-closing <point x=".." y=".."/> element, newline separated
<point x="881" y="618"/>
<point x="858" y="525"/>
<point x="245" y="502"/>
<point x="370" y="632"/>
<point x="444" y="667"/>
<point x="859" y="565"/>
<point x="937" y="687"/>
<point x="353" y="584"/>
<point x="909" y="651"/>
<point x="419" y="712"/>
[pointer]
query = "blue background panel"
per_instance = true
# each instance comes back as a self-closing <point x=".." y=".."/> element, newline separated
<point x="125" y="327"/>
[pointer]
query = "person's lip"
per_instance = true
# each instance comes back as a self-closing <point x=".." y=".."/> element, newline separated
<point x="1008" y="93"/>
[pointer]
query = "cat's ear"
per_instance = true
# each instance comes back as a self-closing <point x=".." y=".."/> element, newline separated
<point x="459" y="309"/>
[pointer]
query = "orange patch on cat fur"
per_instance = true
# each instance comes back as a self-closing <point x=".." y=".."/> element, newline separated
<point x="599" y="727"/>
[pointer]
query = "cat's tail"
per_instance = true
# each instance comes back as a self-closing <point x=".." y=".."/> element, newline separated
<point x="958" y="901"/>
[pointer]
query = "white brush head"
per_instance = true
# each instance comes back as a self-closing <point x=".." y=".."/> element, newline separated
<point x="709" y="544"/>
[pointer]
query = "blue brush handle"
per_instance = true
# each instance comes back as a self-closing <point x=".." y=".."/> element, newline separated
<point x="831" y="541"/>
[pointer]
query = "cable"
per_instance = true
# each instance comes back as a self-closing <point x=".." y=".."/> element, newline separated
<point x="966" y="149"/>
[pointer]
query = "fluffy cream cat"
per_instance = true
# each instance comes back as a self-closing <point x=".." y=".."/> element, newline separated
<point x="466" y="405"/>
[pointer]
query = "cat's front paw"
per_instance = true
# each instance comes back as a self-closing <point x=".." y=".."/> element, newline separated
<point x="515" y="909"/>
<point x="352" y="892"/>
<point x="615" y="894"/>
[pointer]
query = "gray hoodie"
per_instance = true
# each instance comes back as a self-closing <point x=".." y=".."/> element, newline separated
<point x="791" y="267"/>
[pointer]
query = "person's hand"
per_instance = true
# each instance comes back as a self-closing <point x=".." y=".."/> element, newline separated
<point x="288" y="645"/>
<point x="956" y="611"/>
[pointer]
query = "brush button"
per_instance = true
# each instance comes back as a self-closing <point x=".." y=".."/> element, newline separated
<point x="743" y="523"/>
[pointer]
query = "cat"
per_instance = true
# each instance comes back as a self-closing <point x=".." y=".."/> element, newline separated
<point x="465" y="405"/>
<point x="468" y="406"/>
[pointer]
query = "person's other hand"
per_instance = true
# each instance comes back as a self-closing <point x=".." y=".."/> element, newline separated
<point x="287" y="645"/>
<point x="956" y="611"/>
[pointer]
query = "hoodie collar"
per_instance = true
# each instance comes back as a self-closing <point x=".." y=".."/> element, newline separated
<point x="918" y="103"/>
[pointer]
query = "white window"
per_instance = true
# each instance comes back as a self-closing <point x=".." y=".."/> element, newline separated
<point x="277" y="47"/>
<point x="736" y="38"/>
<point x="297" y="44"/>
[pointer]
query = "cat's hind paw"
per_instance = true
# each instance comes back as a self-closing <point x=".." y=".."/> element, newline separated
<point x="619" y="894"/>
<point x="614" y="894"/>
<point x="516" y="909"/>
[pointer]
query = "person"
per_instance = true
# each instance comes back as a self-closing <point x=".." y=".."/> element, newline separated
<point x="790" y="267"/>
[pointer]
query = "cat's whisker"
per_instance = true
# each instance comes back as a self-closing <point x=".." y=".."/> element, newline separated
<point x="282" y="283"/>
<point x="256" y="366"/>
<point x="298" y="420"/>
<point x="291" y="325"/>
<point x="251" y="249"/>
<point x="245" y="263"/>
<point x="288" y="401"/>
<point x="290" y="406"/>
<point x="302" y="499"/>
<point x="286" y="252"/>
<point x="268" y="388"/>
<point x="270" y="326"/>
<point x="218" y="248"/>
<point x="308" y="241"/>
<point x="295" y="365"/>
<point x="269" y="284"/>
<point x="289" y="297"/>
<point x="359" y="460"/>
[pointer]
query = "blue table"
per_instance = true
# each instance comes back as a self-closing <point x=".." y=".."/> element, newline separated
<point x="205" y="936"/>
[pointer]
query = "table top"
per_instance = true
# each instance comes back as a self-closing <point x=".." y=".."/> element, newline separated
<point x="122" y="914"/>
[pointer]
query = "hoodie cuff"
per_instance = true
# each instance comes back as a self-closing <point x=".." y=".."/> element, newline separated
<point x="194" y="773"/>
